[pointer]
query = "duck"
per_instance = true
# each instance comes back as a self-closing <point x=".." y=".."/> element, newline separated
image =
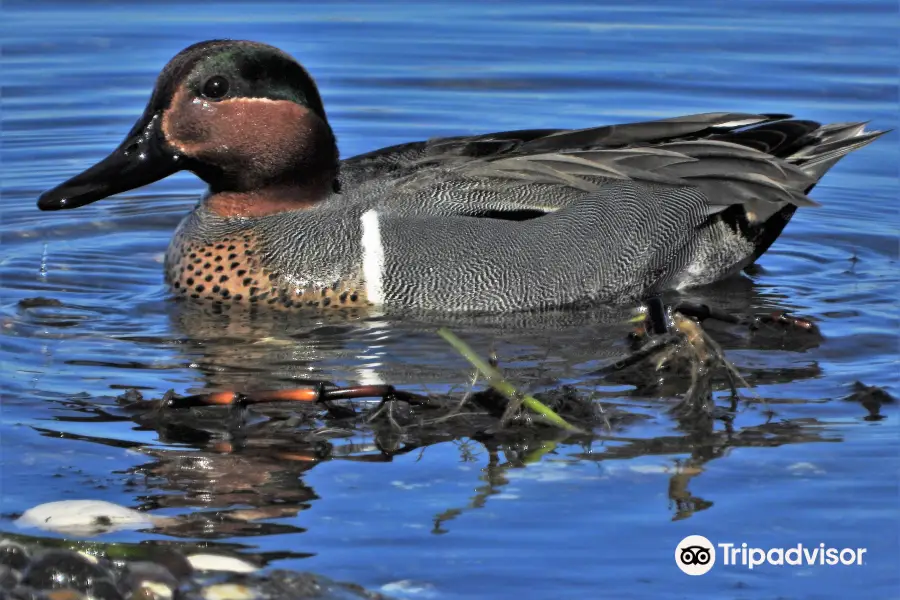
<point x="499" y="222"/>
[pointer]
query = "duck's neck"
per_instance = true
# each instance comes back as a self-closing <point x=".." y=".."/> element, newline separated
<point x="274" y="170"/>
<point x="269" y="200"/>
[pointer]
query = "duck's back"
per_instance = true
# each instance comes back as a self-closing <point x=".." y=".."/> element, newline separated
<point x="732" y="157"/>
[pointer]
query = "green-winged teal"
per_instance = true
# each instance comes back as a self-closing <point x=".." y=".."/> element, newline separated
<point x="498" y="222"/>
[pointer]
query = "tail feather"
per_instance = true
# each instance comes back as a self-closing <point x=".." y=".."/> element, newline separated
<point x="776" y="138"/>
<point x="832" y="143"/>
<point x="809" y="145"/>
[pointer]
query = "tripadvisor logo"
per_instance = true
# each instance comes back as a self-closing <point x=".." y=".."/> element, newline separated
<point x="696" y="555"/>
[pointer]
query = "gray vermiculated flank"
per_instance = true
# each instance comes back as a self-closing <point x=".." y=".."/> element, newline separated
<point x="614" y="244"/>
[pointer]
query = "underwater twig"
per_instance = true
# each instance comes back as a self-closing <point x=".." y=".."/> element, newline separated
<point x="321" y="393"/>
<point x="457" y="410"/>
<point x="731" y="372"/>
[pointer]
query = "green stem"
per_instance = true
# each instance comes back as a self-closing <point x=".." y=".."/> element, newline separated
<point x="497" y="381"/>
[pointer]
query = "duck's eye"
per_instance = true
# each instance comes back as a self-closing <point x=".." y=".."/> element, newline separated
<point x="215" y="87"/>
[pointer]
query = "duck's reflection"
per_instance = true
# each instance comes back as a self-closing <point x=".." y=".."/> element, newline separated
<point x="243" y="351"/>
<point x="239" y="468"/>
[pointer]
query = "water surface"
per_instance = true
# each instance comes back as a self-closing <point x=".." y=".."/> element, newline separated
<point x="460" y="519"/>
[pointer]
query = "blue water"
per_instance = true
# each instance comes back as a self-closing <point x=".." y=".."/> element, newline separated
<point x="455" y="519"/>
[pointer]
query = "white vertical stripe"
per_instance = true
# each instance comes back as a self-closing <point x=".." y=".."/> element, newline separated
<point x="372" y="256"/>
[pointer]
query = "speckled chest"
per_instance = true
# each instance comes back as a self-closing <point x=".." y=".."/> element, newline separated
<point x="234" y="265"/>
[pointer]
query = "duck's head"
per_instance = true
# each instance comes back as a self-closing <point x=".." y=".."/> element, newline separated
<point x="245" y="117"/>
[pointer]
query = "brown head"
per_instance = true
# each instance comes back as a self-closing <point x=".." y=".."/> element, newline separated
<point x="245" y="117"/>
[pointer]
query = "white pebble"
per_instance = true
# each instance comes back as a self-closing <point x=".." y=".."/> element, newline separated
<point x="216" y="562"/>
<point x="83" y="517"/>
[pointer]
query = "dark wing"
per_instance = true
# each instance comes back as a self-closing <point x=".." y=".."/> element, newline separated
<point x="403" y="158"/>
<point x="761" y="162"/>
